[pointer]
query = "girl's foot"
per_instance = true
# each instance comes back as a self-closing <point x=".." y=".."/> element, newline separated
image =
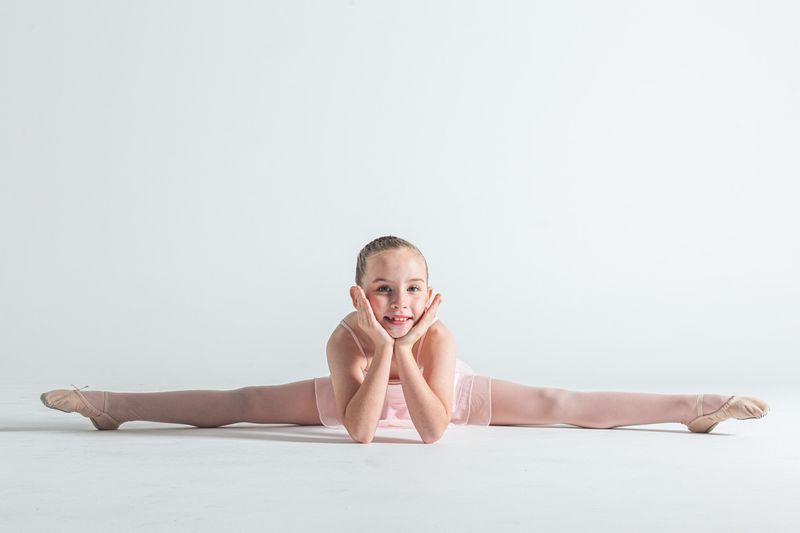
<point x="704" y="403"/>
<point x="721" y="408"/>
<point x="71" y="401"/>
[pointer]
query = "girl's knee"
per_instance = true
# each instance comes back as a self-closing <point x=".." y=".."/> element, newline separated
<point x="549" y="394"/>
<point x="550" y="400"/>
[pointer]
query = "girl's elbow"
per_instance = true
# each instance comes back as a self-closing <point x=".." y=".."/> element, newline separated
<point x="365" y="438"/>
<point x="359" y="433"/>
<point x="430" y="439"/>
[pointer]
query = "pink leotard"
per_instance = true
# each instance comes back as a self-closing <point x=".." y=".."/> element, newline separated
<point x="471" y="397"/>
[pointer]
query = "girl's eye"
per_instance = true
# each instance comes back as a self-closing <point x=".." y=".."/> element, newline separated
<point x="385" y="287"/>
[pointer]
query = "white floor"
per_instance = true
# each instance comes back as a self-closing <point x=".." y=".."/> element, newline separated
<point x="58" y="471"/>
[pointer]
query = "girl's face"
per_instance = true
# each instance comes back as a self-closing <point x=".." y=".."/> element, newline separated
<point x="394" y="283"/>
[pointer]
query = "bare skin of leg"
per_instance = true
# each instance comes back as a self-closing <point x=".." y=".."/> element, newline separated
<point x="289" y="403"/>
<point x="516" y="404"/>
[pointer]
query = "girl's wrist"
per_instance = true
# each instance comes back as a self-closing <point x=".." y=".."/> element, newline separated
<point x="385" y="347"/>
<point x="402" y="349"/>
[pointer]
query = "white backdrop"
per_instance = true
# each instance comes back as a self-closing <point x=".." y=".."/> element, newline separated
<point x="606" y="193"/>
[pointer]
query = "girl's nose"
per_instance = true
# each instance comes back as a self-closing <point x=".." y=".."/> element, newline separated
<point x="400" y="301"/>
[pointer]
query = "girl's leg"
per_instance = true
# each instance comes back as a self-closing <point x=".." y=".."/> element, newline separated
<point x="290" y="403"/>
<point x="516" y="404"/>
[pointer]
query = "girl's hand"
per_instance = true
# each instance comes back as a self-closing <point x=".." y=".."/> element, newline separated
<point x="421" y="327"/>
<point x="368" y="322"/>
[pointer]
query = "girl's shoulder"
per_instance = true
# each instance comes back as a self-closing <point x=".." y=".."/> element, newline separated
<point x="351" y="319"/>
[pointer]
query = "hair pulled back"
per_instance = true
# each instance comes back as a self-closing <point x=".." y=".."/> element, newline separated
<point x="383" y="244"/>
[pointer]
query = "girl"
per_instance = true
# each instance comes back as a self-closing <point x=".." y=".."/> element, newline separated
<point x="393" y="364"/>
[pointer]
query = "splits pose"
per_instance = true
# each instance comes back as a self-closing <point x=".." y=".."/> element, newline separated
<point x="393" y="364"/>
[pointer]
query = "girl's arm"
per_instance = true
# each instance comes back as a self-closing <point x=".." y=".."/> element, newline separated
<point x="364" y="410"/>
<point x="429" y="411"/>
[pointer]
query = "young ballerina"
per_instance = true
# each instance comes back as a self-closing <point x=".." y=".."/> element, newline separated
<point x="393" y="364"/>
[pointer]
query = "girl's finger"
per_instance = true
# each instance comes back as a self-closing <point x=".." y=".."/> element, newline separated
<point x="435" y="304"/>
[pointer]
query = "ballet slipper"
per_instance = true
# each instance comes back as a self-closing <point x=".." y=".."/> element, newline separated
<point x="739" y="407"/>
<point x="70" y="401"/>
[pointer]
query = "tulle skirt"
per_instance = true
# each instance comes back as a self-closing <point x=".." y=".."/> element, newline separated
<point x="472" y="401"/>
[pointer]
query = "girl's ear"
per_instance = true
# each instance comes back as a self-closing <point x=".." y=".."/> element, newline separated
<point x="430" y="291"/>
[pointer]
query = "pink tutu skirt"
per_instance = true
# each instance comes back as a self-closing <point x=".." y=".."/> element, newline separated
<point x="472" y="401"/>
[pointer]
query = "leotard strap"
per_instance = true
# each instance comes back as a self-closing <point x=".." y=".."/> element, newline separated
<point x="353" y="333"/>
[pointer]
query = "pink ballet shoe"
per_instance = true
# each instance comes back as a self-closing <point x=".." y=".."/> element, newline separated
<point x="739" y="407"/>
<point x="73" y="401"/>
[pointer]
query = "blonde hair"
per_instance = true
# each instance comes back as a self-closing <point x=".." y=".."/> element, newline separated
<point x="382" y="244"/>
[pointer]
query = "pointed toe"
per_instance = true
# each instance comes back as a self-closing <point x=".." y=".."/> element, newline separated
<point x="750" y="407"/>
<point x="72" y="401"/>
<point x="738" y="407"/>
